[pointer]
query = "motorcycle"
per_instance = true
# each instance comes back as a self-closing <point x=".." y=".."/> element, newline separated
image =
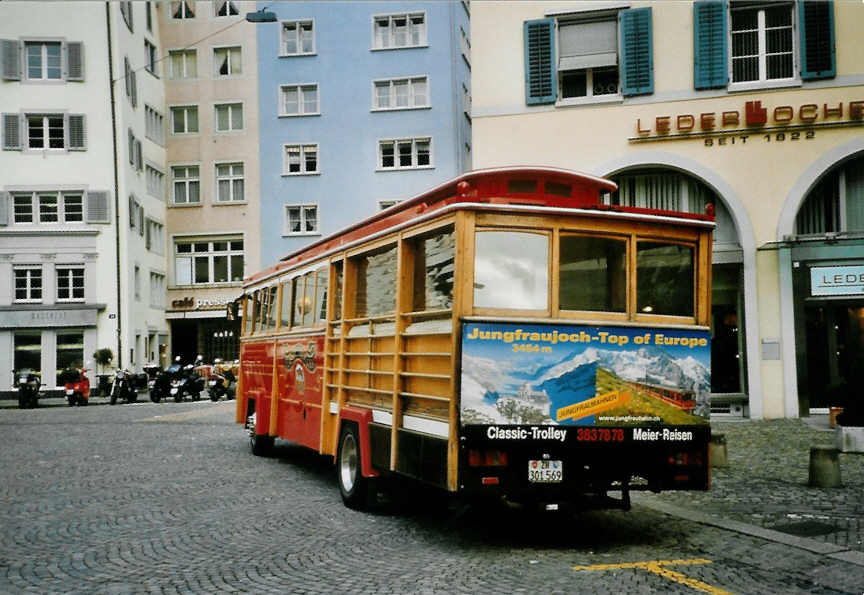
<point x="123" y="387"/>
<point x="160" y="385"/>
<point x="222" y="382"/>
<point x="27" y="382"/>
<point x="187" y="383"/>
<point x="77" y="386"/>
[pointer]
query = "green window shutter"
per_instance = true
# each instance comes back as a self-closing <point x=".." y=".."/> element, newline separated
<point x="540" y="75"/>
<point x="710" y="44"/>
<point x="818" y="58"/>
<point x="637" y="52"/>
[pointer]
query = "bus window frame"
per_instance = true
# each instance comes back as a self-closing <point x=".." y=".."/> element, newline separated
<point x="686" y="319"/>
<point x="409" y="243"/>
<point x="558" y="312"/>
<point x="351" y="258"/>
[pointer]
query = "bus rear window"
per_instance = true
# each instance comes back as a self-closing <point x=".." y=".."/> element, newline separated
<point x="511" y="270"/>
<point x="593" y="274"/>
<point x="664" y="278"/>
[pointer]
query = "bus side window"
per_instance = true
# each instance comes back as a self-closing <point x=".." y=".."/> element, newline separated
<point x="272" y="311"/>
<point x="511" y="270"/>
<point x="308" y="298"/>
<point x="321" y="283"/>
<point x="339" y="272"/>
<point x="261" y="319"/>
<point x="376" y="283"/>
<point x="593" y="273"/>
<point x="665" y="282"/>
<point x="286" y="304"/>
<point x="249" y="314"/>
<point x="256" y="311"/>
<point x="433" y="271"/>
<point x="297" y="299"/>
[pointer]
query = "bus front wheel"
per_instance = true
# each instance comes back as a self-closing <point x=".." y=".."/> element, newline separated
<point x="352" y="485"/>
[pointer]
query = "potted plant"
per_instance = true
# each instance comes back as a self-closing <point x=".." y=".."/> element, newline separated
<point x="103" y="357"/>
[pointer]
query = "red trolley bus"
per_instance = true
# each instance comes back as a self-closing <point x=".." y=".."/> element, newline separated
<point x="501" y="335"/>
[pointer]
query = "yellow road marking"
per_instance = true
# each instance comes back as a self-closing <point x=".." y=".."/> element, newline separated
<point x="658" y="567"/>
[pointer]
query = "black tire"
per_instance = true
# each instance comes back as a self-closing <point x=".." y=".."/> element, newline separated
<point x="133" y="397"/>
<point x="178" y="397"/>
<point x="261" y="444"/>
<point x="113" y="400"/>
<point x="22" y="402"/>
<point x="72" y="401"/>
<point x="155" y="396"/>
<point x="196" y="396"/>
<point x="214" y="397"/>
<point x="353" y="487"/>
<point x="83" y="402"/>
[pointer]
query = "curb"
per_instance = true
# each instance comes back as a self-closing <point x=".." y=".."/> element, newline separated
<point x="814" y="546"/>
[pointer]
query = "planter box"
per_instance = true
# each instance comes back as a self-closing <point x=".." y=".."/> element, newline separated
<point x="850" y="439"/>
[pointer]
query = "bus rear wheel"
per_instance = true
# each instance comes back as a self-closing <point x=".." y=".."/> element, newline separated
<point x="353" y="487"/>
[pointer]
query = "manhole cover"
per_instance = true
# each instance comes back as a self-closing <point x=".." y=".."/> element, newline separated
<point x="806" y="528"/>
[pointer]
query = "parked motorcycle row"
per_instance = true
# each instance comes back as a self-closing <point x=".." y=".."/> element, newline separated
<point x="177" y="381"/>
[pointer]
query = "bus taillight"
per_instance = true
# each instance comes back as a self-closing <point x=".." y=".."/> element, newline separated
<point x="487" y="458"/>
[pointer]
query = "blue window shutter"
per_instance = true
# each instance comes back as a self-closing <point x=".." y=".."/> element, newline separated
<point x="710" y="44"/>
<point x="540" y="73"/>
<point x="818" y="59"/>
<point x="637" y="52"/>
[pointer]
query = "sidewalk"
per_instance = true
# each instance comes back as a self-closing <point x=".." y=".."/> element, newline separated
<point x="764" y="491"/>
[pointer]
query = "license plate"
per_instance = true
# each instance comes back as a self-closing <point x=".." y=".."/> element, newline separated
<point x="545" y="471"/>
<point x="212" y="383"/>
<point x="174" y="391"/>
<point x="70" y="391"/>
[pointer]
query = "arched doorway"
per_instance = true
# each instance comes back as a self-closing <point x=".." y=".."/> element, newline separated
<point x="675" y="190"/>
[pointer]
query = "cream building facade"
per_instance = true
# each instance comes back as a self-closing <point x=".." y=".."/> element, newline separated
<point x="755" y="108"/>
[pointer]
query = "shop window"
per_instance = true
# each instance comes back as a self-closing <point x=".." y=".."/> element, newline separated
<point x="28" y="351"/>
<point x="376" y="283"/>
<point x="593" y="274"/>
<point x="836" y="203"/>
<point x="70" y="352"/>
<point x="433" y="271"/>
<point x="665" y="282"/>
<point x="511" y="270"/>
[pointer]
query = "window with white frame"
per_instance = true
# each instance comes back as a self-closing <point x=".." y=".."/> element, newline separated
<point x="200" y="261"/>
<point x="70" y="283"/>
<point x="407" y="153"/>
<point x="184" y="119"/>
<point x="154" y="125"/>
<point x="46" y="131"/>
<point x="301" y="220"/>
<point x="403" y="93"/>
<point x="44" y="60"/>
<point x="151" y="59"/>
<point x="183" y="64"/>
<point x="299" y="100"/>
<point x="229" y="117"/>
<point x="28" y="283"/>
<point x="186" y="182"/>
<point x="157" y="290"/>
<point x="48" y="207"/>
<point x="155" y="182"/>
<point x="588" y="59"/>
<point x="184" y="9"/>
<point x="229" y="182"/>
<point x="399" y="31"/>
<point x="226" y="8"/>
<point x="301" y="159"/>
<point x="763" y="41"/>
<point x="228" y="61"/>
<point x="298" y="38"/>
<point x="154" y="236"/>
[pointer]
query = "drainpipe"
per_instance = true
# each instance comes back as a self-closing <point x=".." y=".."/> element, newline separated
<point x="116" y="185"/>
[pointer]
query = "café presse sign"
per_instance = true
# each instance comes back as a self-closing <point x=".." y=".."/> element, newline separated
<point x="837" y="280"/>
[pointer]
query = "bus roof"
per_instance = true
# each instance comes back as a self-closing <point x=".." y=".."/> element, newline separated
<point x="530" y="185"/>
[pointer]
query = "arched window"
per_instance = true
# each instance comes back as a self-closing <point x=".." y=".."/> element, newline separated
<point x="836" y="203"/>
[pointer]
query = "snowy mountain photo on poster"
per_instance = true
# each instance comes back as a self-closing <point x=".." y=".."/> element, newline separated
<point x="584" y="375"/>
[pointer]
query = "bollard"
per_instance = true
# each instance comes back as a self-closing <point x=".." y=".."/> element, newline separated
<point x="824" y="467"/>
<point x="717" y="451"/>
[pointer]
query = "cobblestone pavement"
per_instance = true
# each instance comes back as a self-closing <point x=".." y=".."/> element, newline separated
<point x="166" y="498"/>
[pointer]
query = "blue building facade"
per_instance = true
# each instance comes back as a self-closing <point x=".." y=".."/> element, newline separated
<point x="361" y="104"/>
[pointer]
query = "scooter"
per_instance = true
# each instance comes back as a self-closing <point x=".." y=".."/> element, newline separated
<point x="77" y="386"/>
<point x="123" y="388"/>
<point x="222" y="382"/>
<point x="27" y="382"/>
<point x="160" y="385"/>
<point x="188" y="383"/>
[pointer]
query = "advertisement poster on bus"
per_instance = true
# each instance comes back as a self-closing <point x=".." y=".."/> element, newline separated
<point x="584" y="375"/>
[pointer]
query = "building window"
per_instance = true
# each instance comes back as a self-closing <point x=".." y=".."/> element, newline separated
<point x="407" y="93"/>
<point x="226" y="8"/>
<point x="204" y="261"/>
<point x="186" y="184"/>
<point x="137" y="282"/>
<point x="663" y="190"/>
<point x="44" y="60"/>
<point x="298" y="38"/>
<point x="157" y="290"/>
<point x="183" y="64"/>
<point x="185" y="119"/>
<point x="151" y="59"/>
<point x="229" y="117"/>
<point x="299" y="100"/>
<point x="70" y="352"/>
<point x="182" y="9"/>
<point x="45" y="131"/>
<point x="48" y="207"/>
<point x="155" y="182"/>
<point x="148" y="13"/>
<point x="28" y="351"/>
<point x="301" y="220"/>
<point x="227" y="61"/>
<point x="399" y="31"/>
<point x="588" y="59"/>
<point x="835" y="205"/>
<point x="126" y="11"/>
<point x="154" y="125"/>
<point x="28" y="284"/>
<point x="70" y="283"/>
<point x="229" y="182"/>
<point x="300" y="160"/>
<point x="154" y="236"/>
<point x="763" y="43"/>
<point x="408" y="153"/>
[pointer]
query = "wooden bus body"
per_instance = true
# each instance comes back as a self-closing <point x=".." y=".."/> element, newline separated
<point x="485" y="337"/>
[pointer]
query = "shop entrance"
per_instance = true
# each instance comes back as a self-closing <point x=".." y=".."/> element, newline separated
<point x="835" y="351"/>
